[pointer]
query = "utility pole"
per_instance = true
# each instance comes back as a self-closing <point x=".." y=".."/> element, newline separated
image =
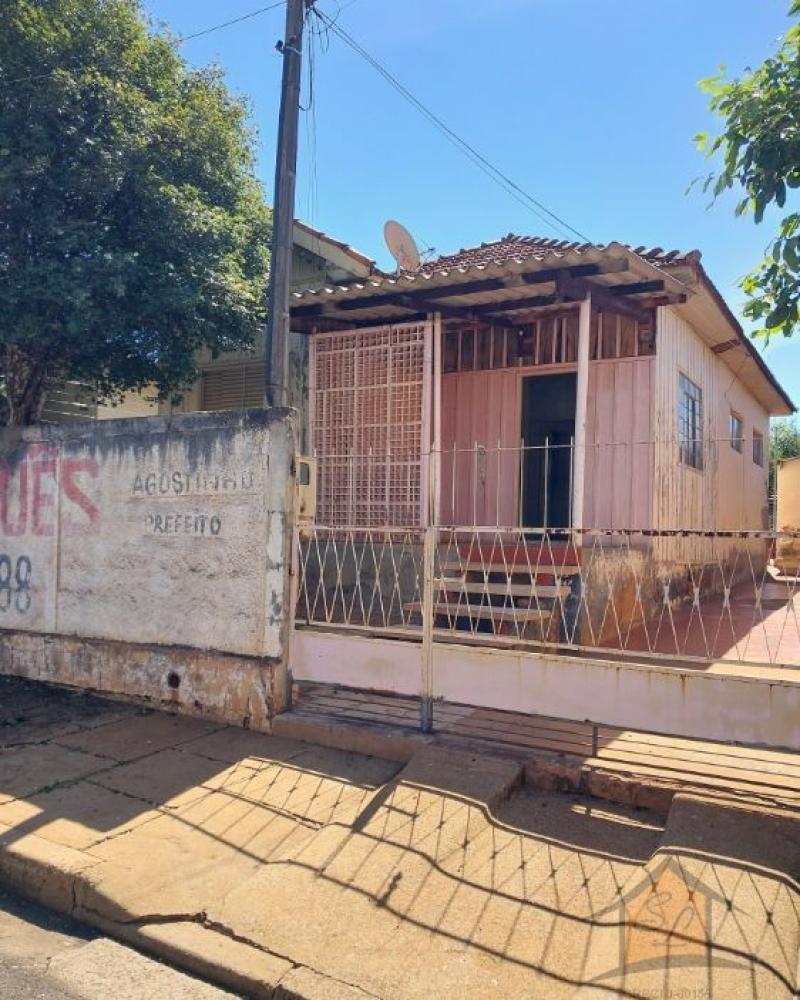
<point x="276" y="346"/>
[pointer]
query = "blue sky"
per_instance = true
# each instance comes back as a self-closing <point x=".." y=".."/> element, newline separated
<point x="590" y="106"/>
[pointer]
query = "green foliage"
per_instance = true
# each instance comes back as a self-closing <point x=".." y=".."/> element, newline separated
<point x="132" y="229"/>
<point x="784" y="439"/>
<point x="759" y="150"/>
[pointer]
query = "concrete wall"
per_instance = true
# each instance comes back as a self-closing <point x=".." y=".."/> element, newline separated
<point x="726" y="702"/>
<point x="160" y="532"/>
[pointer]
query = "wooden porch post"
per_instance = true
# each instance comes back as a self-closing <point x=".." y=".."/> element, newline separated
<point x="581" y="402"/>
<point x="436" y="447"/>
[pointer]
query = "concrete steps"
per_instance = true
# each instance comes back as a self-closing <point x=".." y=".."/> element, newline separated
<point x="506" y="590"/>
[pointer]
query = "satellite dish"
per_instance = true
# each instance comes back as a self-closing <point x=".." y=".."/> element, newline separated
<point x="401" y="246"/>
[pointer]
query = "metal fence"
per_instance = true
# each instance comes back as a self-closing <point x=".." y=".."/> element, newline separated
<point x="671" y="564"/>
<point x="639" y="594"/>
<point x="630" y="484"/>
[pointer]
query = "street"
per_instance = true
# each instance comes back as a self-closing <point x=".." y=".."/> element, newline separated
<point x="44" y="956"/>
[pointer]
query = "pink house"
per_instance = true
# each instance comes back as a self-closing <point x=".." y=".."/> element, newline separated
<point x="536" y="383"/>
<point x="533" y="458"/>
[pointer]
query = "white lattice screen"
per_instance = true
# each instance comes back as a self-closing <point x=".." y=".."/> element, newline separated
<point x="368" y="398"/>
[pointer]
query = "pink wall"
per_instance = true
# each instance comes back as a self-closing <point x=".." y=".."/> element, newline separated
<point x="484" y="408"/>
<point x="619" y="451"/>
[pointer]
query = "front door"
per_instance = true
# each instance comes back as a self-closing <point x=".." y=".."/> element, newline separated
<point x="548" y="429"/>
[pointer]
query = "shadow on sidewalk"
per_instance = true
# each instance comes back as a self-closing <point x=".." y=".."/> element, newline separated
<point x="441" y="876"/>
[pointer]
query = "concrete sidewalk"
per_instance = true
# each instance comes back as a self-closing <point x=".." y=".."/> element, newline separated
<point x="281" y="869"/>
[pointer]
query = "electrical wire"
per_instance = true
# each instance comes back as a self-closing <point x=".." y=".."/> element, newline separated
<point x="310" y="118"/>
<point x="542" y="212"/>
<point x="227" y="24"/>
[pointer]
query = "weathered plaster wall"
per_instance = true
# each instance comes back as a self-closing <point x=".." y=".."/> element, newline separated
<point x="239" y="690"/>
<point x="165" y="531"/>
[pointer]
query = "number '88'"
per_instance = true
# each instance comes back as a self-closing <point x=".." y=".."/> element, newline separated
<point x="15" y="582"/>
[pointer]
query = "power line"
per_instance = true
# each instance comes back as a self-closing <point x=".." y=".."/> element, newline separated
<point x="497" y="175"/>
<point x="178" y="41"/>
<point x="227" y="24"/>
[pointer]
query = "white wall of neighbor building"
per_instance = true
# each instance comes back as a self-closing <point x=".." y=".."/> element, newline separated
<point x="164" y="531"/>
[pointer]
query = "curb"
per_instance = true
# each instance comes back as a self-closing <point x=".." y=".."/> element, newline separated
<point x="56" y="877"/>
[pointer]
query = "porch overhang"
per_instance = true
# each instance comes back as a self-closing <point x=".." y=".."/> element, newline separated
<point x="503" y="293"/>
<point x="514" y="290"/>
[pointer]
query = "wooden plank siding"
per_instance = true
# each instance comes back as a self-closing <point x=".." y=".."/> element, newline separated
<point x="619" y="452"/>
<point x="730" y="490"/>
<point x="481" y="408"/>
<point x="484" y="409"/>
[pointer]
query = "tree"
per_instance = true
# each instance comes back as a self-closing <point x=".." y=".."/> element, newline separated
<point x="132" y="228"/>
<point x="785" y="439"/>
<point x="760" y="152"/>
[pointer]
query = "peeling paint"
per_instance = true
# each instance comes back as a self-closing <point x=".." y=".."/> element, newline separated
<point x="165" y="532"/>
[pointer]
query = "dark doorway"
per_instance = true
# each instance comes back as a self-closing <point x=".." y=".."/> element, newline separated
<point x="548" y="428"/>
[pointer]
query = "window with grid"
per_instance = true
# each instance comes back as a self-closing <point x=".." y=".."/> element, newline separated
<point x="758" y="447"/>
<point x="736" y="432"/>
<point x="367" y="425"/>
<point x="690" y="423"/>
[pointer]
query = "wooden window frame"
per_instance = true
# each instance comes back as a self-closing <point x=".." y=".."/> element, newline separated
<point x="736" y="431"/>
<point x="758" y="448"/>
<point x="690" y="423"/>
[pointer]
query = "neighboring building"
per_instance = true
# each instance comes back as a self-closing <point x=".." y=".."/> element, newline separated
<point x="233" y="380"/>
<point x="787" y="515"/>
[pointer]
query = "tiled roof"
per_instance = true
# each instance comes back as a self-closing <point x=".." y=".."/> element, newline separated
<point x="344" y="247"/>
<point x="512" y="246"/>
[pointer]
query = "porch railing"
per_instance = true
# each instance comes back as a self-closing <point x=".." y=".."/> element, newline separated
<point x="631" y="484"/>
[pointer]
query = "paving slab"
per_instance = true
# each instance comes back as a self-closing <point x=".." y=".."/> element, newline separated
<point x="28" y="717"/>
<point x="494" y="908"/>
<point x="76" y="815"/>
<point x="477" y="777"/>
<point x="138" y="735"/>
<point x="703" y="905"/>
<point x="231" y="745"/>
<point x="306" y="788"/>
<point x="164" y="779"/>
<point x="24" y="771"/>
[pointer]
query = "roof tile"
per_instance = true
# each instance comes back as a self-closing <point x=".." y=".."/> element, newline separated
<point x="508" y="247"/>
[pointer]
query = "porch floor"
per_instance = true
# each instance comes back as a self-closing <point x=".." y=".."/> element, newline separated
<point x="637" y="767"/>
<point x="745" y="631"/>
